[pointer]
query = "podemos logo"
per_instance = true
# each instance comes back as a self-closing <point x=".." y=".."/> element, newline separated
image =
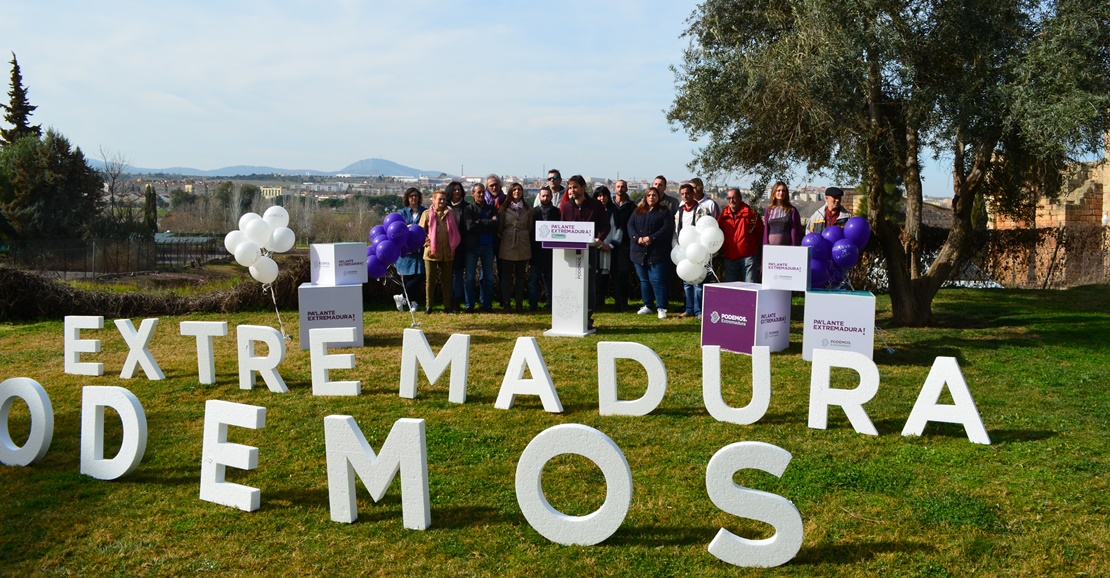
<point x="728" y="318"/>
<point x="544" y="231"/>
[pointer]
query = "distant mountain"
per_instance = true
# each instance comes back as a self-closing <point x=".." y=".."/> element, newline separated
<point x="365" y="167"/>
<point x="375" y="167"/>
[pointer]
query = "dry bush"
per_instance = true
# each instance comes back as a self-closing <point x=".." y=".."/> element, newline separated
<point x="26" y="296"/>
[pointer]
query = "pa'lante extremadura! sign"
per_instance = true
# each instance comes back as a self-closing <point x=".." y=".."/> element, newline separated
<point x="404" y="450"/>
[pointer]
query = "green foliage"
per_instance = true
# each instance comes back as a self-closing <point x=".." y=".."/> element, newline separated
<point x="979" y="213"/>
<point x="179" y="198"/>
<point x="248" y="195"/>
<point x="222" y="193"/>
<point x="47" y="189"/>
<point x="17" y="112"/>
<point x="150" y="209"/>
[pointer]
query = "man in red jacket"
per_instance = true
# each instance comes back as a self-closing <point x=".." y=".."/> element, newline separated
<point x="743" y="229"/>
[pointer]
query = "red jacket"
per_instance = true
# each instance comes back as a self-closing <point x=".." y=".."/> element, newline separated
<point x="743" y="232"/>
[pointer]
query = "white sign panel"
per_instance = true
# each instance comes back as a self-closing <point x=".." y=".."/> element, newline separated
<point x="331" y="306"/>
<point x="338" y="263"/>
<point x="564" y="234"/>
<point x="785" y="267"/>
<point x="839" y="321"/>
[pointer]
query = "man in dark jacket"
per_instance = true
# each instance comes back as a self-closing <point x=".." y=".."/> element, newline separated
<point x="621" y="266"/>
<point x="541" y="258"/>
<point x="481" y="229"/>
<point x="581" y="208"/>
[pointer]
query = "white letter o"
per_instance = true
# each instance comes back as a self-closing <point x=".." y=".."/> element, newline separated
<point x="42" y="421"/>
<point x="593" y="445"/>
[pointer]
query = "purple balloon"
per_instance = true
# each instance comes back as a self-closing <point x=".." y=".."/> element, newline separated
<point x="398" y="232"/>
<point x="833" y="233"/>
<point x="387" y="252"/>
<point x="377" y="231"/>
<point x="414" y="244"/>
<point x="392" y="218"/>
<point x="858" y="231"/>
<point x="820" y="249"/>
<point x="417" y="235"/>
<point x="818" y="274"/>
<point x="374" y="267"/>
<point x="845" y="254"/>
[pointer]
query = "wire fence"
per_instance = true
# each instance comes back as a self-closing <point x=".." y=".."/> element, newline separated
<point x="91" y="258"/>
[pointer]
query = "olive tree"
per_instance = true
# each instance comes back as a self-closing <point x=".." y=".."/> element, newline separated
<point x="1010" y="90"/>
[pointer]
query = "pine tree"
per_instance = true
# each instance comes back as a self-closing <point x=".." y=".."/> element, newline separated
<point x="17" y="112"/>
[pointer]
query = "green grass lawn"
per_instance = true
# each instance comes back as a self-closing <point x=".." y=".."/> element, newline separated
<point x="1033" y="503"/>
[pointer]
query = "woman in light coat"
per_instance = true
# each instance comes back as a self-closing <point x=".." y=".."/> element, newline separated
<point x="515" y="223"/>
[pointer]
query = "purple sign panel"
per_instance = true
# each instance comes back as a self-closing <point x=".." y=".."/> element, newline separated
<point x="729" y="316"/>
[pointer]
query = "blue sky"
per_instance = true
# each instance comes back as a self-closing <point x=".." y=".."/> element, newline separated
<point x="505" y="87"/>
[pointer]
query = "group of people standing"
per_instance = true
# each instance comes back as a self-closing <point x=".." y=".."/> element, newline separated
<point x="465" y="236"/>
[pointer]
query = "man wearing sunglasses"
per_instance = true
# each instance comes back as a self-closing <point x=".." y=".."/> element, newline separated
<point x="558" y="192"/>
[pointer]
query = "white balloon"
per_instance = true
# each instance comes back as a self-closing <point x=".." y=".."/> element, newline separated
<point x="232" y="240"/>
<point x="697" y="254"/>
<point x="701" y="278"/>
<point x="688" y="271"/>
<point x="678" y="253"/>
<point x="276" y="216"/>
<point x="246" y="218"/>
<point x="281" y="240"/>
<point x="687" y="235"/>
<point x="713" y="239"/>
<point x="705" y="223"/>
<point x="265" y="270"/>
<point x="247" y="253"/>
<point x="258" y="231"/>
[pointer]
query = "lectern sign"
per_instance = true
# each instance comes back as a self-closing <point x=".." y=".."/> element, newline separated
<point x="564" y="234"/>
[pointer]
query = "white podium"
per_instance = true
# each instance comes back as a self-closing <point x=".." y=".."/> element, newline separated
<point x="570" y="279"/>
<point x="570" y="275"/>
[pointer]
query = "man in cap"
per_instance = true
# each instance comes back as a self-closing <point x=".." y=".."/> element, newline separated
<point x="831" y="214"/>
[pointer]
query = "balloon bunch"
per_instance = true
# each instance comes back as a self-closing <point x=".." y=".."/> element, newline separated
<point x="834" y="251"/>
<point x="390" y="240"/>
<point x="694" y="252"/>
<point x="257" y="239"/>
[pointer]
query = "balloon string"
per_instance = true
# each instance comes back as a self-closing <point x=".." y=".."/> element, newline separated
<point x="405" y="292"/>
<point x="269" y="287"/>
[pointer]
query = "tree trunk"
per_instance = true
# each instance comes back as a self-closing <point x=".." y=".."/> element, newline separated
<point x="911" y="177"/>
<point x="912" y="297"/>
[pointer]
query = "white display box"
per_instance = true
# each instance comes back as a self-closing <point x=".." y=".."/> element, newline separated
<point x="738" y="316"/>
<point x="785" y="267"/>
<point x="840" y="321"/>
<point x="338" y="263"/>
<point x="331" y="306"/>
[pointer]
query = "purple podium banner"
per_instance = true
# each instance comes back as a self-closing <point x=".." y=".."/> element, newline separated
<point x="738" y="316"/>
